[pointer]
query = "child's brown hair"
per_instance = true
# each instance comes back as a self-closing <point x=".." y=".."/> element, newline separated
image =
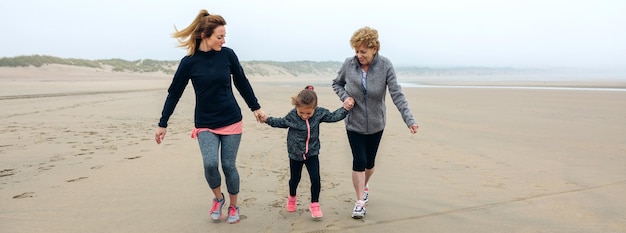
<point x="306" y="98"/>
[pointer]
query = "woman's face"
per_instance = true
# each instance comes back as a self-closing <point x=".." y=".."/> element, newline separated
<point x="365" y="55"/>
<point x="216" y="40"/>
<point x="305" y="112"/>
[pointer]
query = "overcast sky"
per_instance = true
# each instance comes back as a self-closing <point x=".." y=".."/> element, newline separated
<point x="513" y="33"/>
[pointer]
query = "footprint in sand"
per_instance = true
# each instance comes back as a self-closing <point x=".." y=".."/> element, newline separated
<point x="56" y="158"/>
<point x="24" y="195"/>
<point x="97" y="167"/>
<point x="8" y="172"/>
<point x="77" y="179"/>
<point x="135" y="157"/>
<point x="333" y="185"/>
<point x="249" y="200"/>
<point x="44" y="168"/>
<point x="277" y="204"/>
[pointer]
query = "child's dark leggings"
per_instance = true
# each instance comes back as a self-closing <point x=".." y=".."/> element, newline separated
<point x="313" y="167"/>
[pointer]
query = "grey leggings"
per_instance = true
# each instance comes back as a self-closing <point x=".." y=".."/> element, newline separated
<point x="209" y="147"/>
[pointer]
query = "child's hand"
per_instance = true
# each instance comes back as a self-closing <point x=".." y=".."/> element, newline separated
<point x="348" y="103"/>
<point x="263" y="118"/>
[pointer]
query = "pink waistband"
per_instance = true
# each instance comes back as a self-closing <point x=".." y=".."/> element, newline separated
<point x="236" y="128"/>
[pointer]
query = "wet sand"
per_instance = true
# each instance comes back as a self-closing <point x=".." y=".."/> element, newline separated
<point x="78" y="155"/>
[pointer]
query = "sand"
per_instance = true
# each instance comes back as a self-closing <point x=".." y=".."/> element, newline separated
<point x="78" y="155"/>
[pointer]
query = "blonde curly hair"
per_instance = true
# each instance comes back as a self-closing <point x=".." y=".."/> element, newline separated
<point x="367" y="37"/>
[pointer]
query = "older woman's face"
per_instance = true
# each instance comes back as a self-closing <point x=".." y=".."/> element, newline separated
<point x="365" y="55"/>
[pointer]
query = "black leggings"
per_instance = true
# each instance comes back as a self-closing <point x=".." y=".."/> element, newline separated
<point x="313" y="167"/>
<point x="364" y="148"/>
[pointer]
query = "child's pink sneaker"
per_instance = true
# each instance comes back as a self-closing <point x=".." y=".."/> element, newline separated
<point x="316" y="210"/>
<point x="291" y="203"/>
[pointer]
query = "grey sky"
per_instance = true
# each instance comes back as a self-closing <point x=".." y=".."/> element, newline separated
<point x="516" y="33"/>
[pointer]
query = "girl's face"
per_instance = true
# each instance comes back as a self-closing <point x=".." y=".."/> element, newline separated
<point x="305" y="112"/>
<point x="365" y="55"/>
<point x="217" y="39"/>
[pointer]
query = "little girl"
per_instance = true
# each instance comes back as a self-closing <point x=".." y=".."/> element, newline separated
<point x="303" y="144"/>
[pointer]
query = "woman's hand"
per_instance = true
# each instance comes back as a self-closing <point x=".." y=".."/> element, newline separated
<point x="413" y="128"/>
<point x="160" y="134"/>
<point x="348" y="103"/>
<point x="260" y="115"/>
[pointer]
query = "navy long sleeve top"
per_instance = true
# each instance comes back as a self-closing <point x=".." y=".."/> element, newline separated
<point x="211" y="74"/>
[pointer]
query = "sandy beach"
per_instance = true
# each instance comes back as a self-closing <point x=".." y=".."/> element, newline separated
<point x="78" y="154"/>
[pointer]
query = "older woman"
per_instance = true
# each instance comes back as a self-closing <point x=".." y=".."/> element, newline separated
<point x="366" y="77"/>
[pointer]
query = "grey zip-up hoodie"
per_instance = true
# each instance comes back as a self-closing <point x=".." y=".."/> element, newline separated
<point x="368" y="115"/>
<point x="302" y="138"/>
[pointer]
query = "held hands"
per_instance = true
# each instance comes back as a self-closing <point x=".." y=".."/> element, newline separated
<point x="348" y="103"/>
<point x="160" y="134"/>
<point x="262" y="119"/>
<point x="260" y="116"/>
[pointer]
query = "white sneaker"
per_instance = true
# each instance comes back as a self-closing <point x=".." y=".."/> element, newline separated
<point x="366" y="191"/>
<point x="359" y="210"/>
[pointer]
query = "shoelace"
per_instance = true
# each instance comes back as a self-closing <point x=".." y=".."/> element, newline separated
<point x="216" y="205"/>
<point x="359" y="206"/>
<point x="232" y="211"/>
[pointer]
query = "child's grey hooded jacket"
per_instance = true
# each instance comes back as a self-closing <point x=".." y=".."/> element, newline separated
<point x="302" y="139"/>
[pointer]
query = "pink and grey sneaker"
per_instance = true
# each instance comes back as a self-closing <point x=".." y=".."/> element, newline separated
<point x="233" y="214"/>
<point x="216" y="210"/>
<point x="316" y="210"/>
<point x="291" y="203"/>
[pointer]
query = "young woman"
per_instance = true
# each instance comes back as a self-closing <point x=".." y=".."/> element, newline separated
<point x="212" y="69"/>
